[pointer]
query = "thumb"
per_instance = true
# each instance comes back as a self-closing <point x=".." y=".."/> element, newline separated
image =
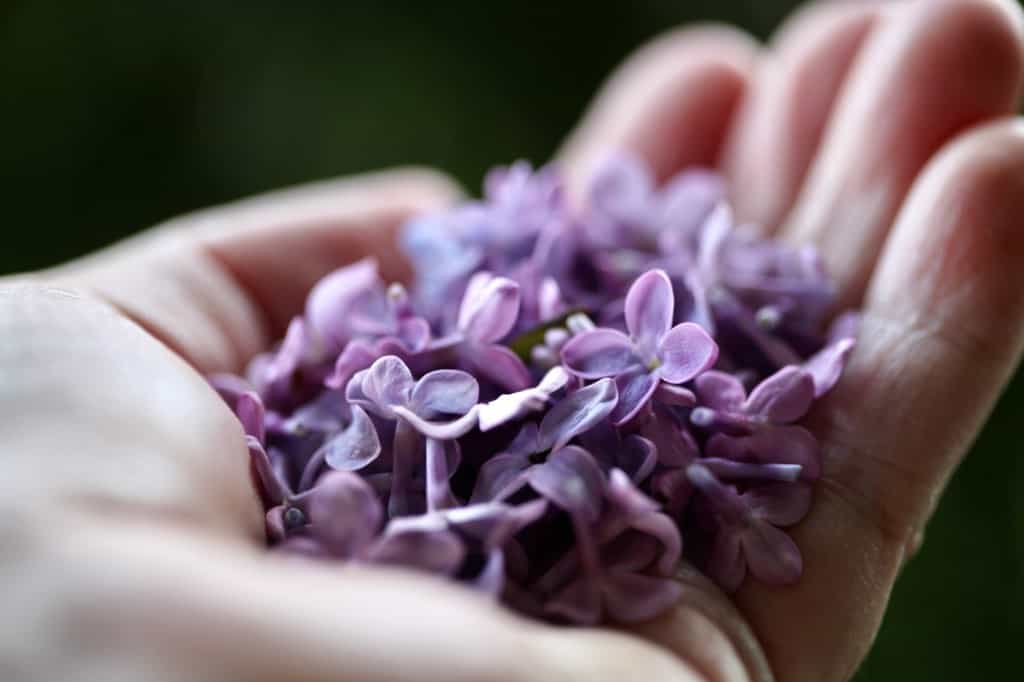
<point x="219" y="285"/>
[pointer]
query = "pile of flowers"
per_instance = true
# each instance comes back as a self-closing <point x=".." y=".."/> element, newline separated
<point x="567" y="401"/>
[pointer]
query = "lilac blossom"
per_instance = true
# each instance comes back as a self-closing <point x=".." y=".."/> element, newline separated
<point x="566" y="401"/>
<point x="652" y="352"/>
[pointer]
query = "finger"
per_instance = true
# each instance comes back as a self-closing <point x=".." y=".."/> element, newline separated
<point x="242" y="616"/>
<point x="933" y="69"/>
<point x="670" y="104"/>
<point x="98" y="412"/>
<point x="943" y="330"/>
<point x="219" y="285"/>
<point x="783" y="117"/>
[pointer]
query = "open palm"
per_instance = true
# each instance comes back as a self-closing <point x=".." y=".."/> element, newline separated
<point x="875" y="131"/>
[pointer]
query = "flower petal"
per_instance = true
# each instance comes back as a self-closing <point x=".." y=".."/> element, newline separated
<point x="576" y="413"/>
<point x="330" y="302"/>
<point x="720" y="390"/>
<point x="388" y="383"/>
<point x="675" y="445"/>
<point x="637" y="457"/>
<point x="353" y="448"/>
<point x="686" y="351"/>
<point x="774" y="445"/>
<point x="356" y="356"/>
<point x="249" y="409"/>
<point x="780" y="504"/>
<point x="771" y="555"/>
<point x="687" y="200"/>
<point x="783" y="397"/>
<point x="414" y="333"/>
<point x="344" y="513"/>
<point x="650" y="304"/>
<point x="272" y="488"/>
<point x="572" y="480"/>
<point x="621" y="189"/>
<point x="726" y="564"/>
<point x="599" y="353"/>
<point x="635" y="390"/>
<point x="670" y="394"/>
<point x="826" y="366"/>
<point x="444" y="392"/>
<point x="489" y="308"/>
<point x="501" y="366"/>
<point x="497" y="476"/>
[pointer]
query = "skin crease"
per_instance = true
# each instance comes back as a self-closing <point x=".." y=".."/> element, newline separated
<point x="132" y="536"/>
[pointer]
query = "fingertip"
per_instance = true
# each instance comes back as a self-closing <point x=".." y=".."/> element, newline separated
<point x="782" y="119"/>
<point x="670" y="102"/>
<point x="962" y="234"/>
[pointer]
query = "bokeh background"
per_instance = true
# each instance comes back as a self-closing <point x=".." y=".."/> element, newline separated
<point x="116" y="115"/>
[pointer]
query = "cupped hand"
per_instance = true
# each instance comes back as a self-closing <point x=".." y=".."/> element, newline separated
<point x="133" y="538"/>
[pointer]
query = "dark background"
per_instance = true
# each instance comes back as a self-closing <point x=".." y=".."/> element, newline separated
<point x="119" y="114"/>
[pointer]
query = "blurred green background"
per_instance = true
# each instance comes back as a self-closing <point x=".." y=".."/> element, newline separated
<point x="119" y="114"/>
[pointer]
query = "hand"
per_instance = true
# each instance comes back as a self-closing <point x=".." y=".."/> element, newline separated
<point x="137" y="553"/>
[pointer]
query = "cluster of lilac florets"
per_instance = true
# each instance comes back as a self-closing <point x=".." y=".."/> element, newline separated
<point x="567" y="401"/>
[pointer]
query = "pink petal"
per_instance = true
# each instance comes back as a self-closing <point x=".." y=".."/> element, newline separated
<point x="496" y="475"/>
<point x="725" y="562"/>
<point x="670" y="394"/>
<point x="576" y="413"/>
<point x="501" y="366"/>
<point x="331" y="300"/>
<point x="771" y="555"/>
<point x="783" y="397"/>
<point x="650" y="304"/>
<point x="826" y="366"/>
<point x="780" y="504"/>
<point x="249" y="409"/>
<point x="356" y="356"/>
<point x="621" y="187"/>
<point x="599" y="353"/>
<point x="489" y="309"/>
<point x="353" y="448"/>
<point x="686" y="351"/>
<point x="344" y="513"/>
<point x="720" y="390"/>
<point x="571" y="479"/>
<point x="388" y="382"/>
<point x="444" y="392"/>
<point x="635" y="391"/>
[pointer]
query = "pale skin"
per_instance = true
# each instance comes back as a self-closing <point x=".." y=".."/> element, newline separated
<point x="132" y="538"/>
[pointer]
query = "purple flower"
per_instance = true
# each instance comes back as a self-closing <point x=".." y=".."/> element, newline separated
<point x="527" y="420"/>
<point x="388" y="389"/>
<point x="626" y="210"/>
<point x="654" y="351"/>
<point x="747" y="535"/>
<point x="759" y="428"/>
<point x="488" y="312"/>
